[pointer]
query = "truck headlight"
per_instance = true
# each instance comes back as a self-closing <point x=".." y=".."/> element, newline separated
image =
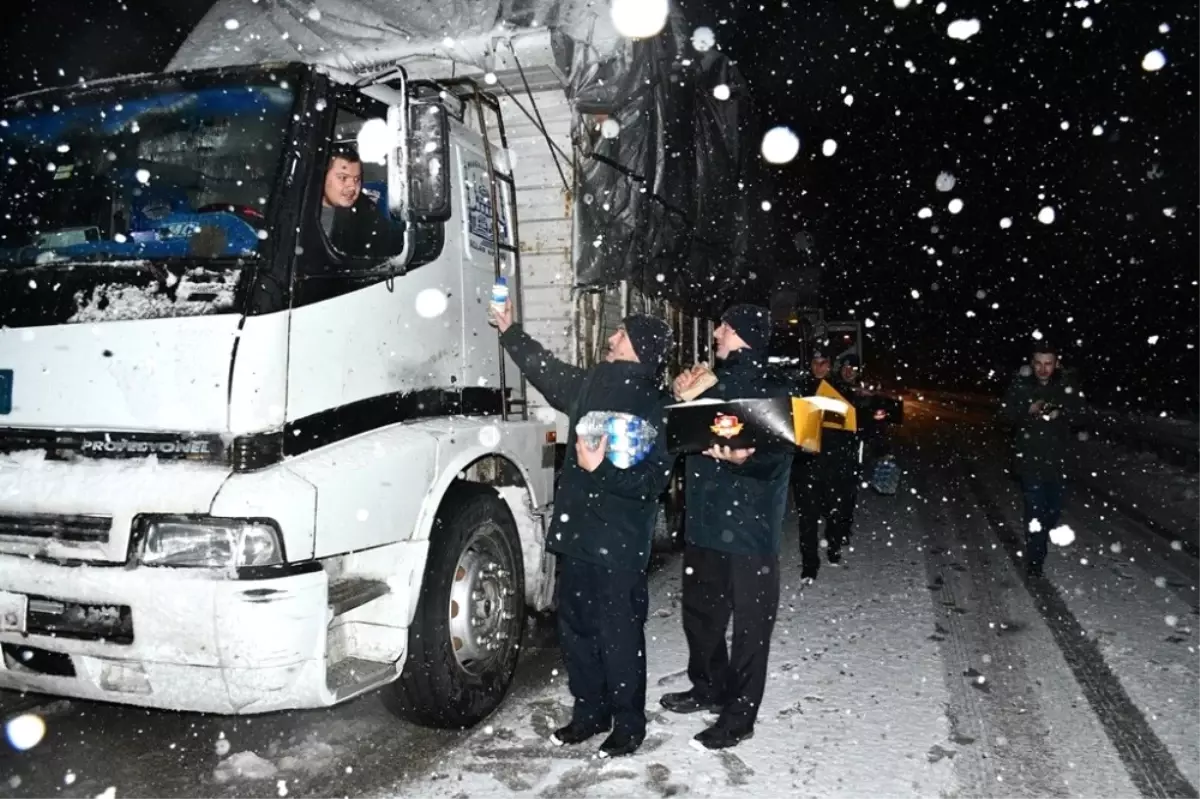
<point x="210" y="543"/>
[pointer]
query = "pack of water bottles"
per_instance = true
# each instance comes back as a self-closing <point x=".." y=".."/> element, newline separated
<point x="630" y="438"/>
<point x="885" y="478"/>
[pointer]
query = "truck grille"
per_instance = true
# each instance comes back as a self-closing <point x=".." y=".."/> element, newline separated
<point x="78" y="528"/>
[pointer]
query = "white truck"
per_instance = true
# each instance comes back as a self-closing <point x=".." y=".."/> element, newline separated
<point x="242" y="470"/>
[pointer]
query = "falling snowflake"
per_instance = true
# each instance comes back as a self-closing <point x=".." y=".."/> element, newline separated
<point x="232" y="24"/>
<point x="955" y="206"/>
<point x="1062" y="535"/>
<point x="1006" y="223"/>
<point x="925" y="213"/>
<point x="431" y="303"/>
<point x="829" y="147"/>
<point x="1152" y="340"/>
<point x="945" y="181"/>
<point x="780" y="145"/>
<point x="963" y="29"/>
<point x="610" y="128"/>
<point x="25" y="731"/>
<point x="721" y="91"/>
<point x="766" y="205"/>
<point x="1098" y="130"/>
<point x="916" y="295"/>
<point x="703" y="39"/>
<point x="1046" y="215"/>
<point x="1154" y="61"/>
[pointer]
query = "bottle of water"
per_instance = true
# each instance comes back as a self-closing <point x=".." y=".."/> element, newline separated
<point x="500" y="294"/>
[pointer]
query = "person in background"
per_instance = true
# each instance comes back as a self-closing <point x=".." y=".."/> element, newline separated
<point x="736" y="500"/>
<point x="603" y="525"/>
<point x="825" y="484"/>
<point x="1039" y="405"/>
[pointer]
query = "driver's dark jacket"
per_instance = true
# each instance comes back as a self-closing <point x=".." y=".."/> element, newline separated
<point x="607" y="516"/>
<point x="361" y="232"/>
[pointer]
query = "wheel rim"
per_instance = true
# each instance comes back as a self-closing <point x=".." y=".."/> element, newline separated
<point x="483" y="602"/>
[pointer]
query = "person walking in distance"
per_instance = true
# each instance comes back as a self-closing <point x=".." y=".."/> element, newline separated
<point x="1039" y="405"/>
<point x="809" y="474"/>
<point x="603" y="525"/>
<point x="736" y="500"/>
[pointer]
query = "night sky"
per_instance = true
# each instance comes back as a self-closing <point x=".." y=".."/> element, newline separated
<point x="1118" y="265"/>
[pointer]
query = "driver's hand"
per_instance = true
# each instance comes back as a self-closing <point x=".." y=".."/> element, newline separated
<point x="502" y="319"/>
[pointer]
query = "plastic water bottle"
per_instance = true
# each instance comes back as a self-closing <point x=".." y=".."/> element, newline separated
<point x="500" y="294"/>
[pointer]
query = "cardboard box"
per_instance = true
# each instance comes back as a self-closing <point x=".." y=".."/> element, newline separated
<point x="771" y="424"/>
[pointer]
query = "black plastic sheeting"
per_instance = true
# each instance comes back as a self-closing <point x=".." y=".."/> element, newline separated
<point x="664" y="203"/>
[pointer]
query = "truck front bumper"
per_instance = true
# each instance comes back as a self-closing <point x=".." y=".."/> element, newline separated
<point x="176" y="639"/>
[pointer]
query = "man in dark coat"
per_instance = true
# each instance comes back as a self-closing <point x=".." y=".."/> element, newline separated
<point x="603" y="525"/>
<point x="736" y="500"/>
<point x="1039" y="404"/>
<point x="812" y="474"/>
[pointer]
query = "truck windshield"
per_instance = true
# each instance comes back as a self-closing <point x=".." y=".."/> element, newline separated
<point x="168" y="173"/>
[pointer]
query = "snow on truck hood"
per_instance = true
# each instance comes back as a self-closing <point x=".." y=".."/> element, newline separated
<point x="138" y="375"/>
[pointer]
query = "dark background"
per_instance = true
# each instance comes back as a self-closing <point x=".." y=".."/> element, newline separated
<point x="1111" y="272"/>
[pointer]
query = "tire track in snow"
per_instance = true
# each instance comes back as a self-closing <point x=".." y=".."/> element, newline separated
<point x="998" y="722"/>
<point x="1147" y="760"/>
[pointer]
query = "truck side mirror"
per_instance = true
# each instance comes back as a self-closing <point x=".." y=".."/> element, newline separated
<point x="418" y="172"/>
<point x="428" y="164"/>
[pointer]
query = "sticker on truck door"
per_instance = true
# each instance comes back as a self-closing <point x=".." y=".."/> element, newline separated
<point x="477" y="200"/>
<point x="6" y="391"/>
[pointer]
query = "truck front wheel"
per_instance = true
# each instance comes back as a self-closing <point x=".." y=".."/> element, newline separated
<point x="465" y="637"/>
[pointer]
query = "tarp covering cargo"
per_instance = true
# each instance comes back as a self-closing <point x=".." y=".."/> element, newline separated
<point x="660" y="195"/>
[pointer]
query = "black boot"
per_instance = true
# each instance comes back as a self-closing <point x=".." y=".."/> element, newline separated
<point x="688" y="702"/>
<point x="834" y="554"/>
<point x="577" y="732"/>
<point x="720" y="736"/>
<point x="621" y="743"/>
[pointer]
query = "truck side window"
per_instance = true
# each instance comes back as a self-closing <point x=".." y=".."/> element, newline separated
<point x="353" y="210"/>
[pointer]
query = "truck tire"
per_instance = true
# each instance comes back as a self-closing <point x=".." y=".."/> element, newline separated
<point x="464" y="640"/>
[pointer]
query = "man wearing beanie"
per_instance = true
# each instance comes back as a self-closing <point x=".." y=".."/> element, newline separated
<point x="603" y="525"/>
<point x="736" y="500"/>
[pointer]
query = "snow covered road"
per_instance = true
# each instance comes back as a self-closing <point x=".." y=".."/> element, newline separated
<point x="926" y="666"/>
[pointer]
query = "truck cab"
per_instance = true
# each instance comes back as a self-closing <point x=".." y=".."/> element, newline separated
<point x="247" y="465"/>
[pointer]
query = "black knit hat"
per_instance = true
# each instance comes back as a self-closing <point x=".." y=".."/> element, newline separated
<point x="651" y="338"/>
<point x="752" y="323"/>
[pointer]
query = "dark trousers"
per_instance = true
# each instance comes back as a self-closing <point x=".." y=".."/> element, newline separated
<point x="602" y="634"/>
<point x="823" y="487"/>
<point x="1043" y="503"/>
<point x="715" y="586"/>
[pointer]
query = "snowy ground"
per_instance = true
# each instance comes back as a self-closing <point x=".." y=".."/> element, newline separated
<point x="855" y="683"/>
<point x="927" y="666"/>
